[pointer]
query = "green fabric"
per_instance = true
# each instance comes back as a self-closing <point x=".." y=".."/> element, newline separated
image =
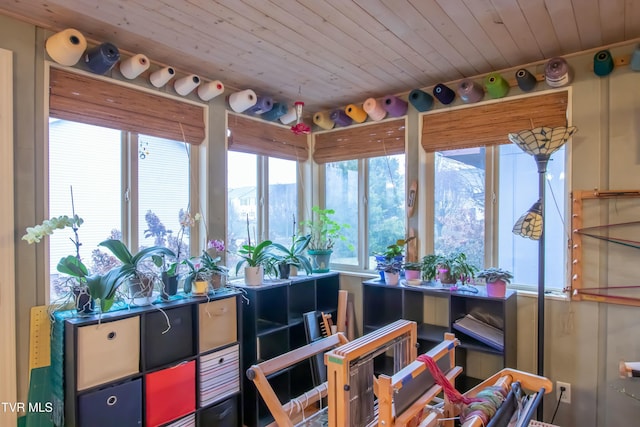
<point x="39" y="399"/>
<point x="56" y="377"/>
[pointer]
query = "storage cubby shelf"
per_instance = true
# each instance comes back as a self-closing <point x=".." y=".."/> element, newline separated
<point x="384" y="304"/>
<point x="119" y="365"/>
<point x="272" y="325"/>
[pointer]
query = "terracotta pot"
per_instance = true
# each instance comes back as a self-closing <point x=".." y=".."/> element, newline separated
<point x="497" y="289"/>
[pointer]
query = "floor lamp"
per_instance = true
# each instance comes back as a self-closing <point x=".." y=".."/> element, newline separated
<point x="541" y="143"/>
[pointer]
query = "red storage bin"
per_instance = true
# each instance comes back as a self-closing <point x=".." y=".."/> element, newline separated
<point x="170" y="393"/>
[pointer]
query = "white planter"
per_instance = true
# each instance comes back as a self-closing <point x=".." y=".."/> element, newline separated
<point x="391" y="278"/>
<point x="253" y="275"/>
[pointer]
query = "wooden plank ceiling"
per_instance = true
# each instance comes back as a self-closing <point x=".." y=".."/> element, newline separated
<point x="331" y="53"/>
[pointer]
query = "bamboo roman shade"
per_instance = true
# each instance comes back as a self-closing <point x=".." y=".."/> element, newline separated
<point x="377" y="139"/>
<point x="259" y="137"/>
<point x="84" y="99"/>
<point x="490" y="124"/>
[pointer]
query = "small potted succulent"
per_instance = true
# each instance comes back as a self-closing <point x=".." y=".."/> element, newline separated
<point x="496" y="279"/>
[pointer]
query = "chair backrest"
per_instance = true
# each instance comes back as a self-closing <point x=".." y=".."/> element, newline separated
<point x="314" y="333"/>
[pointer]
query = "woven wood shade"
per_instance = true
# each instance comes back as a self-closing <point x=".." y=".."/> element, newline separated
<point x="361" y="142"/>
<point x="266" y="139"/>
<point x="84" y="99"/>
<point x="490" y="124"/>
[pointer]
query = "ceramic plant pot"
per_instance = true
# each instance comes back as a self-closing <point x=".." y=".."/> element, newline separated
<point x="253" y="275"/>
<point x="391" y="278"/>
<point x="497" y="289"/>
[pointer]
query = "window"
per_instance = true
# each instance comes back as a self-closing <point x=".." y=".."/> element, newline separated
<point x="460" y="181"/>
<point x="518" y="190"/>
<point x="245" y="192"/>
<point x="459" y="197"/>
<point x="483" y="183"/>
<point x="89" y="159"/>
<point x="383" y="216"/>
<point x="283" y="200"/>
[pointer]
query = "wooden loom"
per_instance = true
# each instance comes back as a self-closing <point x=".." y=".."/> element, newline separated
<point x="403" y="399"/>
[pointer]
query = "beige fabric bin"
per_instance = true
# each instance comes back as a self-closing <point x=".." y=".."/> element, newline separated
<point x="218" y="323"/>
<point x="108" y="351"/>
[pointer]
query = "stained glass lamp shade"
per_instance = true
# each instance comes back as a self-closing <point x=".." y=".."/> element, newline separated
<point x="542" y="142"/>
<point x="530" y="223"/>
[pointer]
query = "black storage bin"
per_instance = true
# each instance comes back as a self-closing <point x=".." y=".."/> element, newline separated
<point x="120" y="405"/>
<point x="224" y="414"/>
<point x="163" y="348"/>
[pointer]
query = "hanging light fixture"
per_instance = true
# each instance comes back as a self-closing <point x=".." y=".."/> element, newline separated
<point x="541" y="143"/>
<point x="529" y="225"/>
<point x="300" y="128"/>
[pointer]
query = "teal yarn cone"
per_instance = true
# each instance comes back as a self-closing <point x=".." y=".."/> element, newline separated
<point x="497" y="87"/>
<point x="421" y="100"/>
<point x="635" y="59"/>
<point x="602" y="63"/>
<point x="278" y="110"/>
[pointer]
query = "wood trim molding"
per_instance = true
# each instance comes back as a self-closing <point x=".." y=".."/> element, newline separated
<point x="8" y="367"/>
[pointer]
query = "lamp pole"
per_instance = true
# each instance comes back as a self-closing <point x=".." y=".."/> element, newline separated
<point x="541" y="162"/>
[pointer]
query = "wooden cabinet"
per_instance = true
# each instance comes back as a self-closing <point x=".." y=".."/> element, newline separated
<point x="171" y="364"/>
<point x="272" y="324"/>
<point x="383" y="304"/>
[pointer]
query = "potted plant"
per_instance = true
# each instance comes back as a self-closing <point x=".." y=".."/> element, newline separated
<point x="257" y="261"/>
<point x="412" y="270"/>
<point x="448" y="268"/>
<point x="202" y="273"/>
<point x="75" y="272"/>
<point x="139" y="279"/>
<point x="391" y="270"/>
<point x="394" y="251"/>
<point x="286" y="257"/>
<point x="497" y="280"/>
<point x="325" y="231"/>
<point x="211" y="258"/>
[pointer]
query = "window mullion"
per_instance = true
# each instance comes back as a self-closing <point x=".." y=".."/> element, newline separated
<point x="363" y="213"/>
<point x="130" y="208"/>
<point x="491" y="205"/>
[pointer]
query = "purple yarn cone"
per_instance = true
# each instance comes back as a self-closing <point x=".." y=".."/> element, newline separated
<point x="395" y="106"/>
<point x="340" y="118"/>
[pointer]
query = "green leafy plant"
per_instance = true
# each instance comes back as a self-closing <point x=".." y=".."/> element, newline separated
<point x="258" y="255"/>
<point x="390" y="266"/>
<point x="396" y="249"/>
<point x="131" y="268"/>
<point x="493" y="274"/>
<point x="203" y="268"/>
<point x="324" y="230"/>
<point x="448" y="268"/>
<point x="415" y="266"/>
<point x="294" y="254"/>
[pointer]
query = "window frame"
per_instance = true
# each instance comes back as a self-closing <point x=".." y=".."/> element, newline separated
<point x="129" y="142"/>
<point x="426" y="170"/>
